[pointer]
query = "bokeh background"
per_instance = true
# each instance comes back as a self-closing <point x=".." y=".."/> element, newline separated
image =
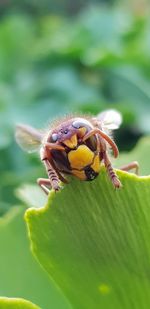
<point x="58" y="57"/>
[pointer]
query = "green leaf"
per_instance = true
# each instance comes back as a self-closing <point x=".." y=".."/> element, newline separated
<point x="140" y="153"/>
<point x="20" y="275"/>
<point x="94" y="241"/>
<point x="16" y="303"/>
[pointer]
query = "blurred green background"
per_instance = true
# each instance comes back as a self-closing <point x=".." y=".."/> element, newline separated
<point x="58" y="57"/>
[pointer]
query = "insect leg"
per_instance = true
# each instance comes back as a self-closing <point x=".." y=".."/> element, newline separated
<point x="106" y="137"/>
<point x="114" y="178"/>
<point x="61" y="177"/>
<point x="52" y="175"/>
<point x="42" y="182"/>
<point x="59" y="173"/>
<point x="130" y="166"/>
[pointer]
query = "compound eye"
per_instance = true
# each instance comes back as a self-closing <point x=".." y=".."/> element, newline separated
<point x="54" y="137"/>
<point x="81" y="123"/>
<point x="77" y="124"/>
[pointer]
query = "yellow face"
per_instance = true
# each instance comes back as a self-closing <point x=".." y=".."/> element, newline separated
<point x="79" y="158"/>
<point x="84" y="163"/>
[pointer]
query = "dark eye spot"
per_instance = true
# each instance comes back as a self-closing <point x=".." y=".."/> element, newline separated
<point x="66" y="131"/>
<point x="54" y="137"/>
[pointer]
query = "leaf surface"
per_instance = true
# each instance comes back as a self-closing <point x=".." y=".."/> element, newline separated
<point x="16" y="303"/>
<point x="94" y="242"/>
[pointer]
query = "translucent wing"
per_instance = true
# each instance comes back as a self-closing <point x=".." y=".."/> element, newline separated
<point x="110" y="119"/>
<point x="28" y="138"/>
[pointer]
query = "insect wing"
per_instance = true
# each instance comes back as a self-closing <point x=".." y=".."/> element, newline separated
<point x="28" y="138"/>
<point x="110" y="119"/>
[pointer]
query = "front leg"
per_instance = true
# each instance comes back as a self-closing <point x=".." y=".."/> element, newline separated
<point x="46" y="184"/>
<point x="113" y="176"/>
<point x="52" y="175"/>
<point x="53" y="180"/>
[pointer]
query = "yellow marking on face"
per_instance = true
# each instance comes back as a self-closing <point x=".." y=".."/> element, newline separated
<point x="72" y="142"/>
<point x="96" y="164"/>
<point x="80" y="157"/>
<point x="79" y="174"/>
<point x="82" y="131"/>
